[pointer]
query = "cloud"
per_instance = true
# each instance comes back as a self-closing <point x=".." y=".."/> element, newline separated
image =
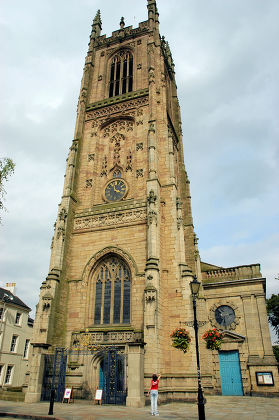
<point x="227" y="66"/>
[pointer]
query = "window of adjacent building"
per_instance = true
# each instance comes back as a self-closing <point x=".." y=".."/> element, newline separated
<point x="121" y="74"/>
<point x="13" y="343"/>
<point x="18" y="318"/>
<point x="26" y="349"/>
<point x="8" y="377"/>
<point x="112" y="292"/>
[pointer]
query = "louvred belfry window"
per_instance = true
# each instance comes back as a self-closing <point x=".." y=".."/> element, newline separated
<point x="121" y="74"/>
<point x="112" y="292"/>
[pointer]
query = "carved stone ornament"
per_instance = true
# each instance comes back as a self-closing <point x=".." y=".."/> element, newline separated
<point x="139" y="173"/>
<point x="88" y="183"/>
<point x="139" y="66"/>
<point x="152" y="217"/>
<point x="140" y="122"/>
<point x="129" y="162"/>
<point x="178" y="203"/>
<point x="104" y="167"/>
<point x="151" y="197"/>
<point x="91" y="157"/>
<point x="104" y="220"/>
<point x="60" y="233"/>
<point x="151" y="75"/>
<point x="150" y="295"/>
<point x="151" y="127"/>
<point x="139" y="146"/>
<point x="117" y="108"/>
<point x="100" y="77"/>
<point x="117" y="126"/>
<point x="179" y="222"/>
<point x="62" y="215"/>
<point x="224" y="304"/>
<point x="86" y="340"/>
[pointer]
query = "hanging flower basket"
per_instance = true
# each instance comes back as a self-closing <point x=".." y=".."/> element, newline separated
<point x="213" y="339"/>
<point x="181" y="339"/>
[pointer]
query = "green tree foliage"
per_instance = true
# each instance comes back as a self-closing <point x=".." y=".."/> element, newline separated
<point x="7" y="167"/>
<point x="276" y="352"/>
<point x="272" y="305"/>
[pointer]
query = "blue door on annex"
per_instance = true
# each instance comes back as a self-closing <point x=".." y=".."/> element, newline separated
<point x="230" y="373"/>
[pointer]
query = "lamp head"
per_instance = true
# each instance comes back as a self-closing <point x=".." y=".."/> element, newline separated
<point x="195" y="286"/>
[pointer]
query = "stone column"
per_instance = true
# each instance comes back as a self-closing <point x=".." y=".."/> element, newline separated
<point x="267" y="346"/>
<point x="135" y="384"/>
<point x="34" y="391"/>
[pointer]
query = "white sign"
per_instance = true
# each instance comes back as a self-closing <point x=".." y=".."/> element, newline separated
<point x="98" y="395"/>
<point x="67" y="393"/>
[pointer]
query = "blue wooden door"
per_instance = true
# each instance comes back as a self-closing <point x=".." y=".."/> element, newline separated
<point x="230" y="373"/>
<point x="101" y="377"/>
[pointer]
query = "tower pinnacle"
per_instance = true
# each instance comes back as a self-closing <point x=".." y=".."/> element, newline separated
<point x="97" y="24"/>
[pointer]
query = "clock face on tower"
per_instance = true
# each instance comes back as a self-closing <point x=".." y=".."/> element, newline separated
<point x="224" y="315"/>
<point x="115" y="190"/>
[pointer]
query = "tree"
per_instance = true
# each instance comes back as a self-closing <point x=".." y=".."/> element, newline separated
<point x="272" y="306"/>
<point x="7" y="167"/>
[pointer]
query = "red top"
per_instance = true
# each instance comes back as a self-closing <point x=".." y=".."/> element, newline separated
<point x="154" y="384"/>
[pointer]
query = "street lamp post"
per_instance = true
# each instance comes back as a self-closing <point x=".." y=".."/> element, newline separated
<point x="195" y="285"/>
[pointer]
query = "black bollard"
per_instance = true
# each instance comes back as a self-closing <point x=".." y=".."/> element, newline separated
<point x="51" y="402"/>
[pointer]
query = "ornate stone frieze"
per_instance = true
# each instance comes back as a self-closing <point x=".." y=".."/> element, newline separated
<point x="117" y="108"/>
<point x="104" y="220"/>
<point x="91" y="157"/>
<point x="139" y="146"/>
<point x="117" y="126"/>
<point x="139" y="173"/>
<point x="84" y="340"/>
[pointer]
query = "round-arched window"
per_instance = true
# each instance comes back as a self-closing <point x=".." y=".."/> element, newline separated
<point x="112" y="292"/>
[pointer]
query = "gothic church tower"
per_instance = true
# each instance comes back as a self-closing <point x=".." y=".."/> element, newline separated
<point x="124" y="248"/>
<point x="124" y="244"/>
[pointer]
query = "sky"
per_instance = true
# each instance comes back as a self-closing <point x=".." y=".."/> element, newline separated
<point x="227" y="65"/>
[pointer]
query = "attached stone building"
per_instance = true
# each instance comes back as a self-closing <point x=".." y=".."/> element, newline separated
<point x="124" y="248"/>
<point x="15" y="334"/>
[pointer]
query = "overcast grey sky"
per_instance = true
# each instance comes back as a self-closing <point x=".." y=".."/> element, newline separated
<point x="227" y="66"/>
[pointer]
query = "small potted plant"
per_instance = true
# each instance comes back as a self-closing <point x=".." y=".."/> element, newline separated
<point x="181" y="339"/>
<point x="213" y="339"/>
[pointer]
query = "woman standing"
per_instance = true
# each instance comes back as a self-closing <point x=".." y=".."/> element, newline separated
<point x="153" y="391"/>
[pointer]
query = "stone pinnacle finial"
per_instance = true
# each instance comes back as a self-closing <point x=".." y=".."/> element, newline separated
<point x="122" y="23"/>
<point x="97" y="19"/>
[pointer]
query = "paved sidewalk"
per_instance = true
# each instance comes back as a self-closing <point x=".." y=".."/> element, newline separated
<point x="217" y="408"/>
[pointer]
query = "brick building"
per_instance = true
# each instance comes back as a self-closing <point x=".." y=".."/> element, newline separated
<point x="124" y="248"/>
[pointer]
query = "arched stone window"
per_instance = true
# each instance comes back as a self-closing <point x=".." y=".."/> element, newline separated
<point x="121" y="73"/>
<point x="112" y="292"/>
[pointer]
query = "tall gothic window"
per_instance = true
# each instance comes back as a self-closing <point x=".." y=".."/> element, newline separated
<point x="121" y="74"/>
<point x="112" y="292"/>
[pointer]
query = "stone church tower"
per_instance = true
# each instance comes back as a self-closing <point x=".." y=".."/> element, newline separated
<point x="124" y="248"/>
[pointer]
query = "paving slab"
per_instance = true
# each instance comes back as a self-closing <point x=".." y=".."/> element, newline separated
<point x="216" y="408"/>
